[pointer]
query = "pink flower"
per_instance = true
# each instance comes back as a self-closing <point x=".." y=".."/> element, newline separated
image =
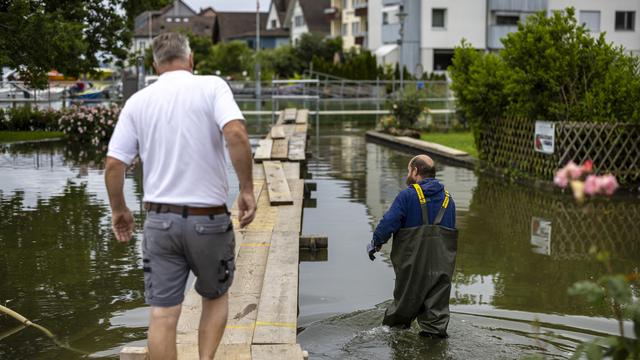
<point x="587" y="167"/>
<point x="561" y="179"/>
<point x="573" y="170"/>
<point x="591" y="185"/>
<point x="608" y="184"/>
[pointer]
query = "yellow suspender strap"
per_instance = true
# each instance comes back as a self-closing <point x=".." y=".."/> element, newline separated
<point x="421" y="197"/>
<point x="445" y="203"/>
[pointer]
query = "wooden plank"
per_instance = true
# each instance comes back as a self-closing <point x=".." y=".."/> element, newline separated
<point x="291" y="171"/>
<point x="232" y="352"/>
<point x="290" y="115"/>
<point x="263" y="152"/>
<point x="314" y="242"/>
<point x="280" y="352"/>
<point x="301" y="129"/>
<point x="297" y="148"/>
<point x="277" y="132"/>
<point x="302" y="116"/>
<point x="134" y="353"/>
<point x="244" y="293"/>
<point x="277" y="185"/>
<point x="280" y="149"/>
<point x="278" y="308"/>
<point x="290" y="216"/>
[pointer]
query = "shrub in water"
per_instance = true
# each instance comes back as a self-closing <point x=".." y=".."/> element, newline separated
<point x="91" y="125"/>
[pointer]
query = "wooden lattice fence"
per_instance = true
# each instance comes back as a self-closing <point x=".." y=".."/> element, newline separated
<point x="614" y="148"/>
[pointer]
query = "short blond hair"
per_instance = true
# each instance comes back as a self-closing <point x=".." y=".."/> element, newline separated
<point x="170" y="46"/>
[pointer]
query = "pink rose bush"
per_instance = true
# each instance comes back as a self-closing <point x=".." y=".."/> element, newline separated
<point x="583" y="182"/>
<point x="89" y="125"/>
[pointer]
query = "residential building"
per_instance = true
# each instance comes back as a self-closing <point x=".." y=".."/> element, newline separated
<point x="241" y="26"/>
<point x="177" y="16"/>
<point x="348" y="19"/>
<point x="433" y="28"/>
<point x="618" y="19"/>
<point x="307" y="16"/>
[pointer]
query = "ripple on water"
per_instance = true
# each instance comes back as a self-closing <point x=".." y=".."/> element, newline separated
<point x="359" y="335"/>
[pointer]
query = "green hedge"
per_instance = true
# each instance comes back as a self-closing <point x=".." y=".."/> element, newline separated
<point x="27" y="118"/>
<point x="552" y="68"/>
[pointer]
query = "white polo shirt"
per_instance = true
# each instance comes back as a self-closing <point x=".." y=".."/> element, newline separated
<point x="175" y="124"/>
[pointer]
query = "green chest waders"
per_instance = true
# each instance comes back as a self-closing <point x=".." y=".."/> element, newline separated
<point x="423" y="259"/>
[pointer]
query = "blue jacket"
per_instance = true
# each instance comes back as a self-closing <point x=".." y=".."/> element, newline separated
<point x="405" y="211"/>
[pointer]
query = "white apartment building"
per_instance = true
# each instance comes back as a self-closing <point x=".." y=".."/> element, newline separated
<point x="433" y="28"/>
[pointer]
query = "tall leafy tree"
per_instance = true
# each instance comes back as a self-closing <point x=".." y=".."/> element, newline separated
<point x="72" y="36"/>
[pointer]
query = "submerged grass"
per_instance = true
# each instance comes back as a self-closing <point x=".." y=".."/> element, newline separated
<point x="11" y="136"/>
<point x="457" y="140"/>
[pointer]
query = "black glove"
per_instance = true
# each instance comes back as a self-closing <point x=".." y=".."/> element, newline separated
<point x="371" y="249"/>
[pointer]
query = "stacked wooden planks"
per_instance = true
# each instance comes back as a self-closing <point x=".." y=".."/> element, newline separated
<point x="263" y="300"/>
<point x="287" y="140"/>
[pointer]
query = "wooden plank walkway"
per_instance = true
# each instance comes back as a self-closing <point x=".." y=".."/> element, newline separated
<point x="263" y="300"/>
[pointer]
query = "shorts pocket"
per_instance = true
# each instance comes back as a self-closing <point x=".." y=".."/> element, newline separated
<point x="227" y="270"/>
<point x="216" y="226"/>
<point x="158" y="224"/>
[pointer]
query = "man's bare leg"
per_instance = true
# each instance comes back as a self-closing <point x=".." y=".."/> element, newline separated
<point x="162" y="332"/>
<point x="212" y="323"/>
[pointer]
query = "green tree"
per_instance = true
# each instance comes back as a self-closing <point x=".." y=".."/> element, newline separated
<point x="316" y="44"/>
<point x="72" y="36"/>
<point x="551" y="68"/>
<point x="229" y="58"/>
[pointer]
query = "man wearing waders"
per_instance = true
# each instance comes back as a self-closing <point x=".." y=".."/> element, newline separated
<point x="422" y="222"/>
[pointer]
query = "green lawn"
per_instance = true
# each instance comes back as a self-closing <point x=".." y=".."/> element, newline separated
<point x="9" y="136"/>
<point x="457" y="140"/>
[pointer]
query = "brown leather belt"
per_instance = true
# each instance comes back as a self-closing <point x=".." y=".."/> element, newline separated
<point x="185" y="210"/>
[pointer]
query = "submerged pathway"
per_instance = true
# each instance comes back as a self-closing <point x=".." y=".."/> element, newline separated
<point x="263" y="300"/>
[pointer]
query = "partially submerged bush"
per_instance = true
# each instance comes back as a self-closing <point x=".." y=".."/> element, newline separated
<point x="408" y="108"/>
<point x="89" y="125"/>
<point x="27" y="118"/>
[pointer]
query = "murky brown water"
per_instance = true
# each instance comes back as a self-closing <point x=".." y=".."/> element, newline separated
<point x="519" y="251"/>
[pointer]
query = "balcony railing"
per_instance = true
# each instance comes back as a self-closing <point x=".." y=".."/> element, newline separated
<point x="518" y="5"/>
<point x="360" y="7"/>
<point x="332" y="13"/>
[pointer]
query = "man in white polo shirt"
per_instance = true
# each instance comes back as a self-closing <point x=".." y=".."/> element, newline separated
<point x="177" y="126"/>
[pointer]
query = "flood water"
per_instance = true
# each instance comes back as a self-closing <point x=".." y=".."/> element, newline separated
<point x="519" y="250"/>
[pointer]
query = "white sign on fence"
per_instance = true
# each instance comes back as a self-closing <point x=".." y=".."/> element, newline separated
<point x="541" y="236"/>
<point x="544" y="139"/>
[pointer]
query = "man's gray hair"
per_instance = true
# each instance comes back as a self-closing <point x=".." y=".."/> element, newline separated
<point x="170" y="46"/>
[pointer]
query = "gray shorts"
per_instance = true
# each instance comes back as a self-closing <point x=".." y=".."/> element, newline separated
<point x="173" y="245"/>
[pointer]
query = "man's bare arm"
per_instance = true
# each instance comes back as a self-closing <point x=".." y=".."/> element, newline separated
<point x="121" y="219"/>
<point x="235" y="133"/>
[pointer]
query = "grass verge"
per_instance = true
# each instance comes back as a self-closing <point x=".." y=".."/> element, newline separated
<point x="11" y="136"/>
<point x="457" y="140"/>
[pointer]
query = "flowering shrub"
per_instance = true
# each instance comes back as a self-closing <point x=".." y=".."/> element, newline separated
<point x="583" y="181"/>
<point x="92" y="125"/>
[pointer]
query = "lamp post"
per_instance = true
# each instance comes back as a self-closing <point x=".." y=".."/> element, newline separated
<point x="257" y="68"/>
<point x="401" y="16"/>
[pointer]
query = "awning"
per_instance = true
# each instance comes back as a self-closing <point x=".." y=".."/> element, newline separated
<point x="385" y="50"/>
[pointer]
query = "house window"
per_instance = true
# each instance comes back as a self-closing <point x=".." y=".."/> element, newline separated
<point x="385" y="18"/>
<point x="299" y="20"/>
<point x="142" y="45"/>
<point x="591" y="20"/>
<point x="345" y="30"/>
<point x="345" y="4"/>
<point x="507" y="20"/>
<point x="177" y="19"/>
<point x="274" y="24"/>
<point x="185" y="19"/>
<point x="442" y="59"/>
<point x="438" y="18"/>
<point x="355" y="28"/>
<point x="169" y="19"/>
<point x="625" y="20"/>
